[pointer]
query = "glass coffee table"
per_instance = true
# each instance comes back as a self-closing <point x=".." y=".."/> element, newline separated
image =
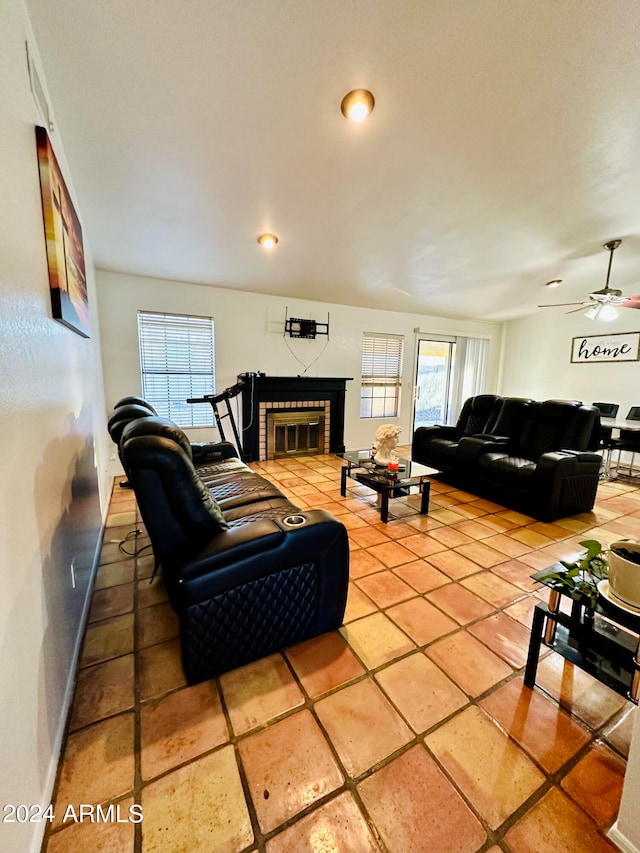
<point x="361" y="468"/>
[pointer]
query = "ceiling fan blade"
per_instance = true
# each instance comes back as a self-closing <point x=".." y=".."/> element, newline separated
<point x="631" y="302"/>
<point x="562" y="304"/>
<point x="575" y="310"/>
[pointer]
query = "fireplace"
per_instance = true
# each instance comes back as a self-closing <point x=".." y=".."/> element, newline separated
<point x="293" y="433"/>
<point x="306" y="398"/>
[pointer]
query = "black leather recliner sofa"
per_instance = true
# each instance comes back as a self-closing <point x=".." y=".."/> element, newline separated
<point x="539" y="459"/>
<point x="247" y="571"/>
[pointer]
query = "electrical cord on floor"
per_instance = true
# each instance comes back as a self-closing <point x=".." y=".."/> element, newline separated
<point x="138" y="551"/>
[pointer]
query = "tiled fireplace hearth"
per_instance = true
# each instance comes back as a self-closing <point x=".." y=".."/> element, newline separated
<point x="322" y="399"/>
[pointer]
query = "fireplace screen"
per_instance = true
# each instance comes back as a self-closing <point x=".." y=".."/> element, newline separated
<point x="295" y="433"/>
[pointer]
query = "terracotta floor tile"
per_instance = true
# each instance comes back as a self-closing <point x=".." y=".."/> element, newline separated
<point x="490" y="770"/>
<point x="517" y="573"/>
<point x="493" y="589"/>
<point x="88" y="837"/>
<point x="421" y="575"/>
<point x="385" y="588"/>
<point x="98" y="764"/>
<point x="618" y="733"/>
<point x="376" y="640"/>
<point x="459" y="603"/>
<point x="556" y="825"/>
<point x="351" y="521"/>
<point x="504" y="636"/>
<point x="115" y="574"/>
<point x="530" y="537"/>
<point x="453" y="565"/>
<point x="450" y="537"/>
<point x="392" y="554"/>
<point x="198" y="807"/>
<point x="109" y="639"/>
<point x="537" y="560"/>
<point x="421" y="620"/>
<point x="522" y="611"/>
<point x="258" y="692"/>
<point x="506" y="544"/>
<point x="358" y="604"/>
<point x="111" y="601"/>
<point x="288" y="767"/>
<point x="157" y="624"/>
<point x="421" y="544"/>
<point x="488" y="506"/>
<point x="160" y="669"/>
<point x="120" y="518"/>
<point x="416" y="808"/>
<point x="353" y="710"/>
<point x="475" y="529"/>
<point x="498" y="524"/>
<point x="102" y="691"/>
<point x="324" y="663"/>
<point x="422" y="693"/>
<point x="536" y="723"/>
<point x="363" y="563"/>
<point x="481" y="554"/>
<point x="595" y="783"/>
<point x="582" y="695"/>
<point x="468" y="662"/>
<point x="368" y="536"/>
<point x="150" y="594"/>
<point x="180" y="727"/>
<point x="446" y="516"/>
<point x="337" y="827"/>
<point x="424" y="523"/>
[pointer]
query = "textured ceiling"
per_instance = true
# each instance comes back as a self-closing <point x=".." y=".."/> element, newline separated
<point x="503" y="150"/>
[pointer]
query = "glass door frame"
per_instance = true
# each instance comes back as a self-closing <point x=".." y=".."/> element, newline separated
<point x="450" y="342"/>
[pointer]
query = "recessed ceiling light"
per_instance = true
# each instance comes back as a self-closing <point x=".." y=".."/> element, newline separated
<point x="267" y="241"/>
<point x="357" y="104"/>
<point x="553" y="283"/>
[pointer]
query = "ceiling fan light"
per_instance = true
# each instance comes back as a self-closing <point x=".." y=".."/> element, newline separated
<point x="607" y="313"/>
<point x="593" y="312"/>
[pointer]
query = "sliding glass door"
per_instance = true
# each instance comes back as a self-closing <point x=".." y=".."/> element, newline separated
<point x="434" y="371"/>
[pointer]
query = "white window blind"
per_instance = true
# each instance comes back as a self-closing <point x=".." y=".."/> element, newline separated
<point x="381" y="375"/>
<point x="177" y="361"/>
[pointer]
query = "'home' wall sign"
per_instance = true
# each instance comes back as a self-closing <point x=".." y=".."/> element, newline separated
<point x="598" y="348"/>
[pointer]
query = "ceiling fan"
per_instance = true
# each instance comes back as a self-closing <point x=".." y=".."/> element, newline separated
<point x="602" y="304"/>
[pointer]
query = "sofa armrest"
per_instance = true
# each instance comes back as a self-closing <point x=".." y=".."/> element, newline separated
<point x="472" y="446"/>
<point x="424" y="435"/>
<point x="240" y="555"/>
<point x="565" y="482"/>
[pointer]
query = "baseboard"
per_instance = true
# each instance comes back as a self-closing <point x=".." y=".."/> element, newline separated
<point x="621" y="840"/>
<point x="52" y="772"/>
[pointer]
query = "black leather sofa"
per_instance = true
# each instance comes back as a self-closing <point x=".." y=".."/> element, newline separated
<point x="247" y="571"/>
<point x="536" y="457"/>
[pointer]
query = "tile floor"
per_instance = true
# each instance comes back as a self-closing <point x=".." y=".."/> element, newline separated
<point x="409" y="729"/>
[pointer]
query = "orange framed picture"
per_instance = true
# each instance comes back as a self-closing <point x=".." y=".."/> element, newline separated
<point x="63" y="236"/>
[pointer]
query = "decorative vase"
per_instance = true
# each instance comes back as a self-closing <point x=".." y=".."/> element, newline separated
<point x="624" y="571"/>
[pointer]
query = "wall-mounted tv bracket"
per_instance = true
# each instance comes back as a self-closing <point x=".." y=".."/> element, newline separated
<point x="299" y="328"/>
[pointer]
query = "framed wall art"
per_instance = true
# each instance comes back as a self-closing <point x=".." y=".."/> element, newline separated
<point x="623" y="346"/>
<point x="63" y="236"/>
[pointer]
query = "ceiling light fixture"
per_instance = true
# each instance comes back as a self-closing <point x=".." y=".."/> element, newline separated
<point x="357" y="104"/>
<point x="601" y="312"/>
<point x="267" y="241"/>
<point x="553" y="283"/>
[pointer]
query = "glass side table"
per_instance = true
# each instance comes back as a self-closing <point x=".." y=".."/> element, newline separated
<point x="600" y="638"/>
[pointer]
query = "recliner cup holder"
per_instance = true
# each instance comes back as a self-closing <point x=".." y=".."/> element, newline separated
<point x="294" y="520"/>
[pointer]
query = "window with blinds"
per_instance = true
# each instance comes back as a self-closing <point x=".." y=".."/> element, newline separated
<point x="177" y="361"/>
<point x="381" y="375"/>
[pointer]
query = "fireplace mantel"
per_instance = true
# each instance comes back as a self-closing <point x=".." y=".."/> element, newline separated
<point x="263" y="389"/>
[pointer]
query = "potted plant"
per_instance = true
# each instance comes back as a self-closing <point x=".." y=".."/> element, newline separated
<point x="584" y="573"/>
<point x="624" y="572"/>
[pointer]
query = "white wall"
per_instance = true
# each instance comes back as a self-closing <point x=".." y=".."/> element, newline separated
<point x="537" y="353"/>
<point x="51" y="407"/>
<point x="249" y="337"/>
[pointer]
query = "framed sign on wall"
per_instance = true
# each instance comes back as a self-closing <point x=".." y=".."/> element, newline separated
<point x="599" y="348"/>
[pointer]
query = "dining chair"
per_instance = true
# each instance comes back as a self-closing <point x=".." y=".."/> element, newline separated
<point x="606" y="442"/>
<point x="628" y="441"/>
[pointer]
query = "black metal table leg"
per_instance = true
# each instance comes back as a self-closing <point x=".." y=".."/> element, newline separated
<point x="343" y="480"/>
<point x="425" y="488"/>
<point x="384" y="505"/>
<point x="535" y="641"/>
